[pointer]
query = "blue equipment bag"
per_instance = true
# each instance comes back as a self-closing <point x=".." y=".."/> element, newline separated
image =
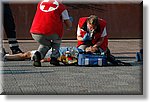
<point x="91" y="60"/>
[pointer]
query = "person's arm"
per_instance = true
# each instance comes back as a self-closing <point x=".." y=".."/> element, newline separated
<point x="66" y="19"/>
<point x="68" y="23"/>
<point x="101" y="40"/>
<point x="98" y="44"/>
<point x="85" y="38"/>
<point x="79" y="37"/>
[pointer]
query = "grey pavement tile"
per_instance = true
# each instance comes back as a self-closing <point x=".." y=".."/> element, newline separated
<point x="39" y="82"/>
<point x="130" y="89"/>
<point x="57" y="83"/>
<point x="45" y="90"/>
<point x="27" y="76"/>
<point x="30" y="79"/>
<point x="29" y="90"/>
<point x="20" y="77"/>
<point x="80" y="90"/>
<point x="8" y="80"/>
<point x="21" y="83"/>
<point x="1" y="89"/>
<point x="19" y="64"/>
<point x="73" y="84"/>
<point x="62" y="90"/>
<point x="9" y="83"/>
<point x="11" y="90"/>
<point x="51" y="77"/>
<point x="8" y="76"/>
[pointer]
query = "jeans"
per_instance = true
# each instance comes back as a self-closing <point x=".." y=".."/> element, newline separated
<point x="46" y="43"/>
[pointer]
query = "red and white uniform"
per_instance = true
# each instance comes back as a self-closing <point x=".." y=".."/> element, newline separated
<point x="49" y="18"/>
<point x="96" y="36"/>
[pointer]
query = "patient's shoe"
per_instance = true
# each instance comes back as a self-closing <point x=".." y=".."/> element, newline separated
<point x="37" y="59"/>
<point x="54" y="61"/>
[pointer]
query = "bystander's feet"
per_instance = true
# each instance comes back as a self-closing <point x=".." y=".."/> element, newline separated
<point x="16" y="50"/>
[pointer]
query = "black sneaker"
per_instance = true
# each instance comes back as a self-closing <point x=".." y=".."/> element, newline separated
<point x="16" y="51"/>
<point x="37" y="59"/>
<point x="54" y="61"/>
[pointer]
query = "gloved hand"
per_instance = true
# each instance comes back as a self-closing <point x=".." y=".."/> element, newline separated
<point x="80" y="50"/>
<point x="71" y="19"/>
<point x="86" y="37"/>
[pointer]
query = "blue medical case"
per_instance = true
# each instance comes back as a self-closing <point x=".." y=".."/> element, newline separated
<point x="91" y="60"/>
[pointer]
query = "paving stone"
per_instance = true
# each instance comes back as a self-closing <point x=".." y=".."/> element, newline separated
<point x="20" y="77"/>
<point x="46" y="90"/>
<point x="29" y="90"/>
<point x="11" y="90"/>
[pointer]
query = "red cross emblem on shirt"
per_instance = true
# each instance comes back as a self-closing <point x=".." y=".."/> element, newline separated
<point x="49" y="5"/>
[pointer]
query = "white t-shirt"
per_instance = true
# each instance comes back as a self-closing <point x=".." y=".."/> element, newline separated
<point x="65" y="15"/>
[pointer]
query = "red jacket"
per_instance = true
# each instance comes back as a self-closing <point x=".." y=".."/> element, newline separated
<point x="97" y="35"/>
<point x="48" y="19"/>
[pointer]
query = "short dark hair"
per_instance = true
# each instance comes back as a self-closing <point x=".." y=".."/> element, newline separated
<point x="92" y="19"/>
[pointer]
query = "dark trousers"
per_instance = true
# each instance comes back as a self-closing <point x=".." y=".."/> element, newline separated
<point x="9" y="26"/>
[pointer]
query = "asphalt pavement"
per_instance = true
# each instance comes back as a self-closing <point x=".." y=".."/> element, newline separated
<point x="21" y="77"/>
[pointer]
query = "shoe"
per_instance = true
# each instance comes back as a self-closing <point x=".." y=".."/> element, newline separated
<point x="139" y="56"/>
<point x="37" y="59"/>
<point x="54" y="61"/>
<point x="2" y="54"/>
<point x="16" y="51"/>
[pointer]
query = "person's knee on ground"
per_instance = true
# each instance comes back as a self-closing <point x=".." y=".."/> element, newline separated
<point x="55" y="54"/>
<point x="39" y="55"/>
<point x="43" y="50"/>
<point x="53" y="41"/>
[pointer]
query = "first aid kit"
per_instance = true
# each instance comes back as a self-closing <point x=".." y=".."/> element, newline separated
<point x="92" y="60"/>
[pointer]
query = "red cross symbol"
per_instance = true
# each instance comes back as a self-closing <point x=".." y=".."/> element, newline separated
<point x="48" y="4"/>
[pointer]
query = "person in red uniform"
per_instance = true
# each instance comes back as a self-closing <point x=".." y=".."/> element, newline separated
<point x="47" y="29"/>
<point x="91" y="34"/>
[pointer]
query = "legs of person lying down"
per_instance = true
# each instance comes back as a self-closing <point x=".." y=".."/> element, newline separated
<point x="24" y="56"/>
<point x="29" y="54"/>
<point x="20" y="56"/>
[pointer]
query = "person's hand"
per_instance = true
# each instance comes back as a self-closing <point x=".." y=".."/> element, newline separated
<point x="88" y="49"/>
<point x="94" y="49"/>
<point x="71" y="18"/>
<point x="91" y="49"/>
<point x="86" y="37"/>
